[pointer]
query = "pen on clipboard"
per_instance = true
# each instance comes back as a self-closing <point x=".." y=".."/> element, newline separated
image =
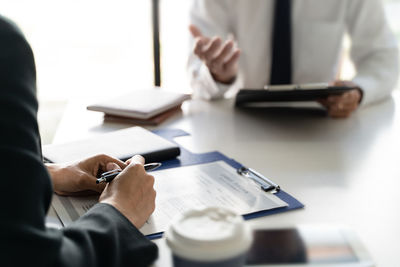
<point x="110" y="175"/>
<point x="266" y="184"/>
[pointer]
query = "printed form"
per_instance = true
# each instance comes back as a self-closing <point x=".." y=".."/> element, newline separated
<point x="184" y="188"/>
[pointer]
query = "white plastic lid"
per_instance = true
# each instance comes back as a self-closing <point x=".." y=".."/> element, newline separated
<point x="209" y="234"/>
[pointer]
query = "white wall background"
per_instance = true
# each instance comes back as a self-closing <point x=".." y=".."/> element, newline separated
<point x="99" y="48"/>
<point x="89" y="48"/>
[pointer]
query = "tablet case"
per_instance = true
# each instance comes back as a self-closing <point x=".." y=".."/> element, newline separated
<point x="188" y="158"/>
<point x="248" y="96"/>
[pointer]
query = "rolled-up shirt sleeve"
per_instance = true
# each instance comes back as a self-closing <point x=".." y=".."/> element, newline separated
<point x="374" y="50"/>
<point x="213" y="18"/>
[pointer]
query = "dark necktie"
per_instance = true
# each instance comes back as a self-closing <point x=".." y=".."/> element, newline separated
<point x="281" y="68"/>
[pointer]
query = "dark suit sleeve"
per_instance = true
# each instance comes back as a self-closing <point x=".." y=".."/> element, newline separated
<point x="103" y="237"/>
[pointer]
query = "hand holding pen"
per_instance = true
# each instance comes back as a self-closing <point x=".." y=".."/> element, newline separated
<point x="132" y="193"/>
<point x="107" y="177"/>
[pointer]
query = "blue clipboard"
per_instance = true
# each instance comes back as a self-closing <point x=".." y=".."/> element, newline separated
<point x="188" y="158"/>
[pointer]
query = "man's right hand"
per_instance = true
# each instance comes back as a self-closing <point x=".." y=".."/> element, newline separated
<point x="221" y="58"/>
<point x="131" y="192"/>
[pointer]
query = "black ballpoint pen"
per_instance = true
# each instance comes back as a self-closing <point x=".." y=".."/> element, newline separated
<point x="110" y="175"/>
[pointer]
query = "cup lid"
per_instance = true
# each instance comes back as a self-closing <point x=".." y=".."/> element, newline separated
<point x="209" y="234"/>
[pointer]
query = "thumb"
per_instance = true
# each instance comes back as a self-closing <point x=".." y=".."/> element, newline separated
<point x="195" y="31"/>
<point x="112" y="166"/>
<point x="137" y="159"/>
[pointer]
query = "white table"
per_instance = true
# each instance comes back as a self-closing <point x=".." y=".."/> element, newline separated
<point x="344" y="171"/>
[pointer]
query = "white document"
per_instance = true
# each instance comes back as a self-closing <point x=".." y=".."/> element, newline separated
<point x="184" y="188"/>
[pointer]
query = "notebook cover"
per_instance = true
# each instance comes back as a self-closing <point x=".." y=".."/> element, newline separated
<point x="141" y="104"/>
<point x="156" y="120"/>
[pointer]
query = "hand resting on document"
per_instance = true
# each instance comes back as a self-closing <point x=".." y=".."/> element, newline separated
<point x="131" y="192"/>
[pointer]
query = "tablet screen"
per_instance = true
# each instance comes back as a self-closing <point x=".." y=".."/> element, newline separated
<point x="300" y="245"/>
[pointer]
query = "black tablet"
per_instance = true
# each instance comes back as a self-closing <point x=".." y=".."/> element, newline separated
<point x="288" y="93"/>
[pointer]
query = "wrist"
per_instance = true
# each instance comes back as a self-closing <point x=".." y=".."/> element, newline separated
<point x="56" y="172"/>
<point x="124" y="212"/>
<point x="53" y="169"/>
<point x="224" y="80"/>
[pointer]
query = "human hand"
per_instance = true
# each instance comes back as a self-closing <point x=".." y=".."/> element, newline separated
<point x="132" y="192"/>
<point x="341" y="106"/>
<point x="221" y="58"/>
<point x="79" y="178"/>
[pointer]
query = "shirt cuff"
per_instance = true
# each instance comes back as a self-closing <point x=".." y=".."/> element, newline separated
<point x="206" y="87"/>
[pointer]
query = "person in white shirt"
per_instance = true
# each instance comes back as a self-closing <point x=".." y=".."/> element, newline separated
<point x="249" y="44"/>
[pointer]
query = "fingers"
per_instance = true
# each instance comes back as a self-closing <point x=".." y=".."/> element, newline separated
<point x="112" y="166"/>
<point x="233" y="60"/>
<point x="348" y="99"/>
<point x="135" y="165"/>
<point x="341" y="106"/>
<point x="104" y="159"/>
<point x="89" y="182"/>
<point x="137" y="159"/>
<point x="199" y="45"/>
<point x="217" y="63"/>
<point x="206" y="49"/>
<point x="225" y="51"/>
<point x="132" y="192"/>
<point x="195" y="31"/>
<point x="220" y="57"/>
<point x="211" y="50"/>
<point x="323" y="101"/>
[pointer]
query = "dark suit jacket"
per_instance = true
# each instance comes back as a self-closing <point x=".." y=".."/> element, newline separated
<point x="103" y="237"/>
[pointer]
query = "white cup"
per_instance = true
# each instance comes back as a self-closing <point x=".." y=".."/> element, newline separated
<point x="209" y="237"/>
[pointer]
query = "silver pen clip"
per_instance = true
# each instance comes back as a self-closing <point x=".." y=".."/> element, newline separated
<point x="266" y="184"/>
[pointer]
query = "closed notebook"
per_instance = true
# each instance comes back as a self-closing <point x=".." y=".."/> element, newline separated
<point x="122" y="144"/>
<point x="141" y="104"/>
<point x="156" y="120"/>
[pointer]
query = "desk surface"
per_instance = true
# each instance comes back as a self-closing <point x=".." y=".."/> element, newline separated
<point x="344" y="171"/>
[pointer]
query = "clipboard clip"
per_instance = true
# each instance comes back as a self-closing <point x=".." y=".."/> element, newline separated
<point x="266" y="184"/>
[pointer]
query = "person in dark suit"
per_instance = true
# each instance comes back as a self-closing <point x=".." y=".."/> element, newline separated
<point x="107" y="235"/>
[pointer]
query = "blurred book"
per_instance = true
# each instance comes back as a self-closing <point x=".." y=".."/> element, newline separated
<point x="141" y="104"/>
<point x="151" y="121"/>
<point x="122" y="144"/>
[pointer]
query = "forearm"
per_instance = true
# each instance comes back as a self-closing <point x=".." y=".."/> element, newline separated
<point x="377" y="75"/>
<point x="374" y="50"/>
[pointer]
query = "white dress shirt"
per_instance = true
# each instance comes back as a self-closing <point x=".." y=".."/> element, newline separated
<point x="318" y="29"/>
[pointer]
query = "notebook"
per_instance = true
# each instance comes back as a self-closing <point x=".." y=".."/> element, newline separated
<point x="141" y="104"/>
<point x="122" y="144"/>
<point x="153" y="121"/>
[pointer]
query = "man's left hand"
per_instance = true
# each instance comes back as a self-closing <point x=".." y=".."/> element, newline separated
<point x="79" y="178"/>
<point x="341" y="106"/>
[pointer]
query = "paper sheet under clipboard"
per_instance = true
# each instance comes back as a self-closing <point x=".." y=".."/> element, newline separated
<point x="184" y="188"/>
